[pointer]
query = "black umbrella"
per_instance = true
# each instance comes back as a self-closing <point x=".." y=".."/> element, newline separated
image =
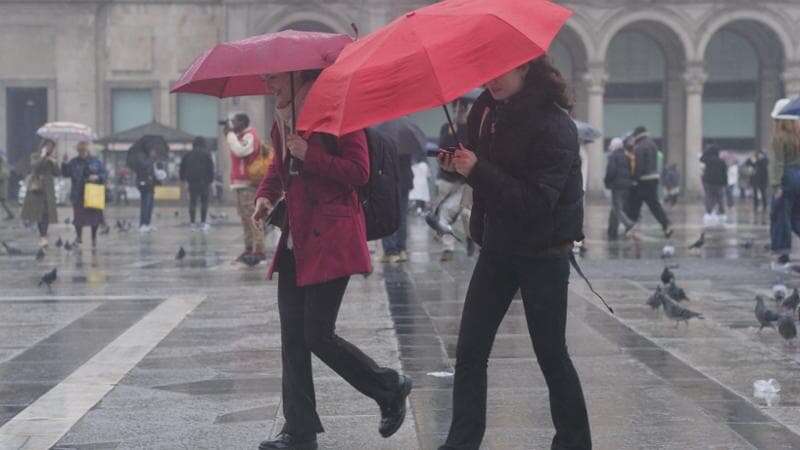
<point x="408" y="137"/>
<point x="137" y="153"/>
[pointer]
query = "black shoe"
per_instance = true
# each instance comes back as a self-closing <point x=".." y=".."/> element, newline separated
<point x="393" y="414"/>
<point x="288" y="441"/>
<point x="783" y="259"/>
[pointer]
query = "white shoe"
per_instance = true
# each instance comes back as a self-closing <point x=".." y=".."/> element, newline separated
<point x="43" y="242"/>
<point x="145" y="229"/>
<point x="205" y="227"/>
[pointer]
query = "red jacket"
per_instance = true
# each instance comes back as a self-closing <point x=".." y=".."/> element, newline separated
<point x="326" y="220"/>
<point x="239" y="164"/>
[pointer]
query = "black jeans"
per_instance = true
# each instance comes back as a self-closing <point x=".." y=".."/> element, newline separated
<point x="147" y="194"/>
<point x="619" y="198"/>
<point x="396" y="242"/>
<point x="543" y="282"/>
<point x="198" y="192"/>
<point x="308" y="325"/>
<point x="646" y="191"/>
<point x="760" y="192"/>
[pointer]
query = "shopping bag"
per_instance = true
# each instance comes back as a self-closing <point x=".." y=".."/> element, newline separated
<point x="94" y="196"/>
<point x="167" y="193"/>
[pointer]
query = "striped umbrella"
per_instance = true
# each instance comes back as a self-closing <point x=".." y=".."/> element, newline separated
<point x="66" y="131"/>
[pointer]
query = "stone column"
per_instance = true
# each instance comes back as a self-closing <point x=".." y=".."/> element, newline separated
<point x="769" y="93"/>
<point x="791" y="79"/>
<point x="694" y="79"/>
<point x="594" y="81"/>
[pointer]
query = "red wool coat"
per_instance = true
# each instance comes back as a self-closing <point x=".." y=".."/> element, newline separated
<point x="326" y="220"/>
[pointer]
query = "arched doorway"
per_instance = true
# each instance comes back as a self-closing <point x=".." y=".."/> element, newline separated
<point x="744" y="60"/>
<point x="568" y="54"/>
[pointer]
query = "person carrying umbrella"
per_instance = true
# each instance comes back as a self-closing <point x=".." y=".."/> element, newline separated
<point x="784" y="178"/>
<point x="322" y="246"/>
<point x="39" y="206"/>
<point x="83" y="169"/>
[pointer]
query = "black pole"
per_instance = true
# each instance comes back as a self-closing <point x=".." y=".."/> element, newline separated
<point x="452" y="127"/>
<point x="294" y="114"/>
<point x="294" y="163"/>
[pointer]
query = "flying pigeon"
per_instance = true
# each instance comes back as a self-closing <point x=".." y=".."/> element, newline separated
<point x="677" y="312"/>
<point x="10" y="249"/>
<point x="442" y="228"/>
<point x="49" y="278"/>
<point x="699" y="243"/>
<point x="764" y="315"/>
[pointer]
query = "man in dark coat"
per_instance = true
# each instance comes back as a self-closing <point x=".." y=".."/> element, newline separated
<point x="646" y="179"/>
<point x="197" y="171"/>
<point x="618" y="180"/>
<point x="715" y="180"/>
<point x="758" y="165"/>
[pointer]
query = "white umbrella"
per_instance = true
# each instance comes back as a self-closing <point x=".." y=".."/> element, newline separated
<point x="66" y="131"/>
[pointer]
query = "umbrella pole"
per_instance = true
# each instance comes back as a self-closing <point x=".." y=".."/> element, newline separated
<point x="291" y="83"/>
<point x="452" y="127"/>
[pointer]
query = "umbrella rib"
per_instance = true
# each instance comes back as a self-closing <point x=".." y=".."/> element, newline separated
<point x="430" y="61"/>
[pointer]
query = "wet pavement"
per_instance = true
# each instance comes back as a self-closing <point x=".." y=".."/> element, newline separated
<point x="134" y="349"/>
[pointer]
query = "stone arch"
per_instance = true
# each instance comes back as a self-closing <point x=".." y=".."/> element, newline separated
<point x="769" y="20"/>
<point x="329" y="19"/>
<point x="664" y="17"/>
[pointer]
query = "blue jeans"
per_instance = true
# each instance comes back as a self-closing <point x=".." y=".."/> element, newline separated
<point x="396" y="242"/>
<point x="785" y="215"/>
<point x="147" y="204"/>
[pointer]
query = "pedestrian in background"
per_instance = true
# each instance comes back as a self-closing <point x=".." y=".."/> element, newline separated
<point x="420" y="195"/>
<point x="671" y="177"/>
<point x="83" y="169"/>
<point x="715" y="182"/>
<point x="732" y="167"/>
<point x="784" y="178"/>
<point x="527" y="212"/>
<point x="322" y="245"/>
<point x="758" y="167"/>
<point x="244" y="147"/>
<point x="39" y="206"/>
<point x="619" y="181"/>
<point x="646" y="180"/>
<point x="4" y="186"/>
<point x="146" y="181"/>
<point x="197" y="171"/>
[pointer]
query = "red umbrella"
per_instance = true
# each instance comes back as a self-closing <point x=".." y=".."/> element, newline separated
<point x="427" y="58"/>
<point x="234" y="69"/>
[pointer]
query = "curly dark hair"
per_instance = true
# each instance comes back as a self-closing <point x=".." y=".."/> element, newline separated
<point x="544" y="78"/>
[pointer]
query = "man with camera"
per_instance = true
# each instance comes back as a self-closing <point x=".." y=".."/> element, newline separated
<point x="244" y="147"/>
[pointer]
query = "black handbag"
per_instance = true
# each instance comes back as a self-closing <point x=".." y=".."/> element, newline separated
<point x="277" y="217"/>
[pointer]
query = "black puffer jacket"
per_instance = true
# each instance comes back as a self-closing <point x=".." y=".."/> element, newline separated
<point x="716" y="171"/>
<point x="528" y="193"/>
<point x="618" y="171"/>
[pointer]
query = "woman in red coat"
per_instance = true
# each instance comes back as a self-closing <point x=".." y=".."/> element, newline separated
<point x="323" y="244"/>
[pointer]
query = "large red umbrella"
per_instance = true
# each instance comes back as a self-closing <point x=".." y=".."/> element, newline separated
<point x="234" y="69"/>
<point x="427" y="58"/>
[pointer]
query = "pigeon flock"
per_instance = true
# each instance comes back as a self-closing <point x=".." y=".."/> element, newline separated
<point x="668" y="297"/>
<point x="785" y="314"/>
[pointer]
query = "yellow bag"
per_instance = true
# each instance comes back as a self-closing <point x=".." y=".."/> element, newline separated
<point x="167" y="193"/>
<point x="94" y="196"/>
<point x="257" y="168"/>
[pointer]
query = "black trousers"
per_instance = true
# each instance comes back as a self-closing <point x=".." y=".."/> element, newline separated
<point x="646" y="191"/>
<point x="308" y="325"/>
<point x="198" y="192"/>
<point x="760" y="192"/>
<point x="543" y="282"/>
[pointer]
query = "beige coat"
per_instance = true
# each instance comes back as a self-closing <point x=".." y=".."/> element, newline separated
<point x="37" y="203"/>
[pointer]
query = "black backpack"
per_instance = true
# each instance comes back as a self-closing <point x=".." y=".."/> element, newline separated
<point x="380" y="197"/>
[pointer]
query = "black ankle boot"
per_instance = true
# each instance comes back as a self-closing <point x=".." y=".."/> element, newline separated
<point x="287" y="441"/>
<point x="394" y="413"/>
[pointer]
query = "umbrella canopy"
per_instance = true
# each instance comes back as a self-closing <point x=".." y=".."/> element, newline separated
<point x="586" y="132"/>
<point x="792" y="109"/>
<point x="427" y="58"/>
<point x="66" y="131"/>
<point x="408" y="137"/>
<point x="234" y="69"/>
<point x="137" y="153"/>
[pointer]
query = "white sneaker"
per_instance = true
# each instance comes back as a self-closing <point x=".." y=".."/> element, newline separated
<point x="43" y="243"/>
<point x="145" y="229"/>
<point x="205" y="227"/>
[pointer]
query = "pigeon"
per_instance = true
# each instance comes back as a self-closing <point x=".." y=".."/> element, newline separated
<point x="779" y="292"/>
<point x="40" y="254"/>
<point x="676" y="293"/>
<point x="49" y="278"/>
<point x="68" y="246"/>
<point x="442" y="228"/>
<point x="104" y="230"/>
<point x="654" y="302"/>
<point x="177" y="213"/>
<point x="667" y="252"/>
<point x="764" y="315"/>
<point x="699" y="243"/>
<point x="787" y="328"/>
<point x="677" y="312"/>
<point x="251" y="260"/>
<point x="667" y="276"/>
<point x="790" y="303"/>
<point x="747" y="244"/>
<point x="10" y="249"/>
<point x="181" y="254"/>
<point x="59" y="242"/>
<point x="67" y="221"/>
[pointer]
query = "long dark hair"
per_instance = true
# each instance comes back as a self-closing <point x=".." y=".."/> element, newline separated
<point x="544" y="79"/>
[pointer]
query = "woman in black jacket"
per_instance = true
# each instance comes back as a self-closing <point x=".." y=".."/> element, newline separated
<point x="524" y="166"/>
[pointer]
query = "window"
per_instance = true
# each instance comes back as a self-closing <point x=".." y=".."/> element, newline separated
<point x="130" y="108"/>
<point x="198" y="114"/>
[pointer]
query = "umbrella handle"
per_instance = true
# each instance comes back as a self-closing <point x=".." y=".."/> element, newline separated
<point x="294" y="114"/>
<point x="452" y="127"/>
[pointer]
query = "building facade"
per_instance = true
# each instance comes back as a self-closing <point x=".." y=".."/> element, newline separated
<point x="692" y="71"/>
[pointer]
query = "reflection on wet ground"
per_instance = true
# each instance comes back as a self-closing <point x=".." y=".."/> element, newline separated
<point x="214" y="381"/>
